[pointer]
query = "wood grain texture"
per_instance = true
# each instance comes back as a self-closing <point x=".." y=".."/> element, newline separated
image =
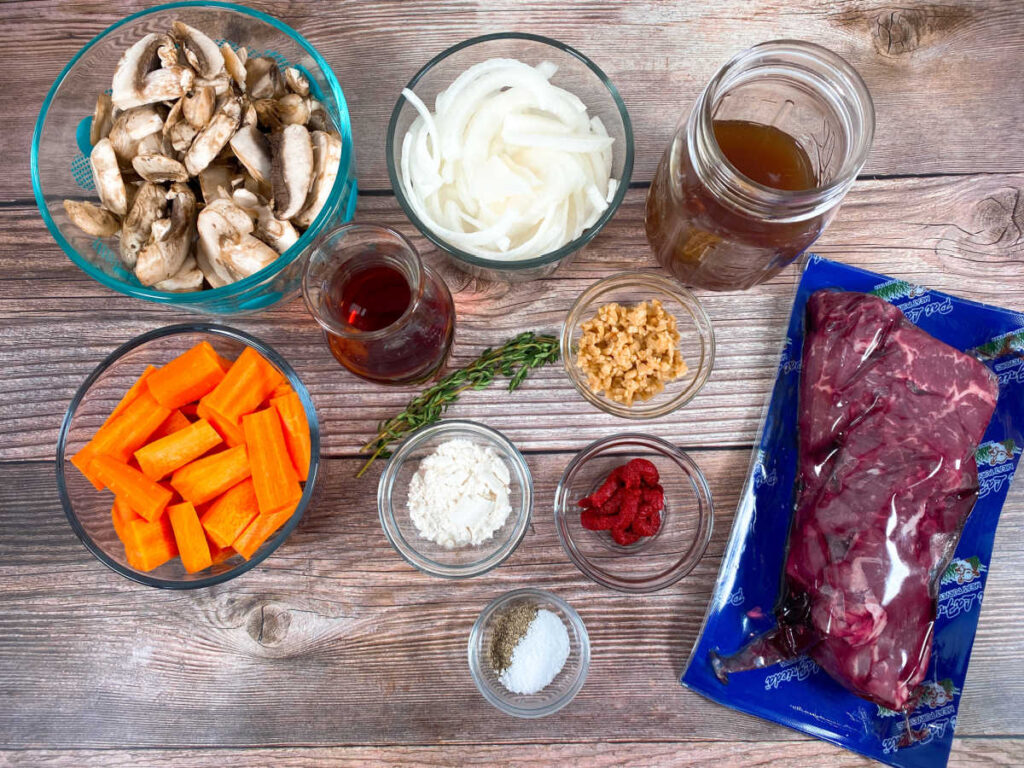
<point x="976" y="753"/>
<point x="940" y="74"/>
<point x="335" y="640"/>
<point x="963" y="235"/>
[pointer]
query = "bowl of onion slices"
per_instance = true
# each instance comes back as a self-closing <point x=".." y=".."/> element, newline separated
<point x="510" y="152"/>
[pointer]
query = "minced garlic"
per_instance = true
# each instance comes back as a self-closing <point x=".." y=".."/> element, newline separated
<point x="630" y="353"/>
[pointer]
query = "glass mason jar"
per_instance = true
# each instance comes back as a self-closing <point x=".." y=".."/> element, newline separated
<point x="387" y="316"/>
<point x="713" y="226"/>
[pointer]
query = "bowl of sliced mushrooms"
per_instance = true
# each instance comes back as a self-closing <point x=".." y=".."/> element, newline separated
<point x="191" y="154"/>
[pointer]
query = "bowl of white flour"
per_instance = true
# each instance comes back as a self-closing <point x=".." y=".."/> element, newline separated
<point x="455" y="499"/>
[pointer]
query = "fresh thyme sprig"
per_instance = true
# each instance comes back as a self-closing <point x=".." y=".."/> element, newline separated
<point x="515" y="359"/>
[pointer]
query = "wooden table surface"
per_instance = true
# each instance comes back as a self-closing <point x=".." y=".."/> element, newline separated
<point x="334" y="651"/>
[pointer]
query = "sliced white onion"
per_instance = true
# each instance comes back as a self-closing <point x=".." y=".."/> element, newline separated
<point x="509" y="166"/>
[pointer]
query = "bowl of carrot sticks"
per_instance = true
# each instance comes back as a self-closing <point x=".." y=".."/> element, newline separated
<point x="188" y="456"/>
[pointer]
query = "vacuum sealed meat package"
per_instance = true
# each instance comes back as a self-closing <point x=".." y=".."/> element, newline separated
<point x="867" y="520"/>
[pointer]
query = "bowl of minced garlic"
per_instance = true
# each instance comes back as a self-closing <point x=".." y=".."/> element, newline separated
<point x="638" y="346"/>
<point x="529" y="653"/>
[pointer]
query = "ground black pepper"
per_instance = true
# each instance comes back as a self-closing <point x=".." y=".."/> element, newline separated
<point x="509" y="629"/>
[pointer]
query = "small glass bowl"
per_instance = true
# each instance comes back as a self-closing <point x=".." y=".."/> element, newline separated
<point x="88" y="510"/>
<point x="696" y="342"/>
<point x="577" y="74"/>
<point x="654" y="562"/>
<point x="566" y="684"/>
<point x="460" y="562"/>
<point x="60" y="151"/>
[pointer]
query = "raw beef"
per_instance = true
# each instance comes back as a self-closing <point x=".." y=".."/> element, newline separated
<point x="889" y="421"/>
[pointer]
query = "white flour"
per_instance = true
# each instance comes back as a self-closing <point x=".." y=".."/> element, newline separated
<point x="459" y="494"/>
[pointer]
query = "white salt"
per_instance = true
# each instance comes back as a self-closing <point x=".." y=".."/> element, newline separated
<point x="539" y="655"/>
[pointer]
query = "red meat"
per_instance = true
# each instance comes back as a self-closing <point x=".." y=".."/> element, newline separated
<point x="889" y="421"/>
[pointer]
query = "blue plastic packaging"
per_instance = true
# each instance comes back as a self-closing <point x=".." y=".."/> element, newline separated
<point x="797" y="693"/>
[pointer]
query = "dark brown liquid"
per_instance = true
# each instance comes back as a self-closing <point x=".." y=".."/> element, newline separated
<point x="708" y="243"/>
<point x="372" y="298"/>
<point x="765" y="154"/>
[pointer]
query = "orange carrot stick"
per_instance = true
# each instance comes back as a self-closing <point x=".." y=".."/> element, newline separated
<point x="149" y="545"/>
<point x="189" y="410"/>
<point x="273" y="476"/>
<point x="296" y="431"/>
<point x="161" y="457"/>
<point x="122" y="514"/>
<point x="230" y="432"/>
<point x="131" y="429"/>
<point x="82" y="460"/>
<point x="225" y="364"/>
<point x="189" y="536"/>
<point x="219" y="554"/>
<point x="230" y="513"/>
<point x="261" y="529"/>
<point x="281" y="390"/>
<point x="208" y="477"/>
<point x="249" y="382"/>
<point x="188" y="377"/>
<point x="130" y="396"/>
<point x="146" y="497"/>
<point x="176" y="421"/>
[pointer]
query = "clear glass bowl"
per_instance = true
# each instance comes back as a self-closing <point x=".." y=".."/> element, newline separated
<point x="392" y="498"/>
<point x="697" y="340"/>
<point x="88" y="510"/>
<point x="566" y="684"/>
<point x="652" y="563"/>
<point x="577" y="74"/>
<point x="60" y="150"/>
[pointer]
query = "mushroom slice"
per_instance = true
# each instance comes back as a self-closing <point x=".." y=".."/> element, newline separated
<point x="107" y="175"/>
<point x="280" y="235"/>
<point x="326" y="162"/>
<point x="263" y="78"/>
<point x="91" y="219"/>
<point x="318" y="118"/>
<point x="167" y="84"/>
<point x="247" y="255"/>
<point x="253" y="151"/>
<point x="266" y="114"/>
<point x="197" y="106"/>
<point x="169" y="240"/>
<point x="221" y="84"/>
<point x="131" y="127"/>
<point x="293" y="109"/>
<point x="149" y="205"/>
<point x="168" y="54"/>
<point x="216" y="274"/>
<point x="159" y="168"/>
<point x="214" y="137"/>
<point x="296" y="81"/>
<point x="102" y="118"/>
<point x="132" y="68"/>
<point x="177" y="131"/>
<point x="221" y="222"/>
<point x="234" y="63"/>
<point x="202" y="53"/>
<point x="188" y="278"/>
<point x="215" y="182"/>
<point x="291" y="169"/>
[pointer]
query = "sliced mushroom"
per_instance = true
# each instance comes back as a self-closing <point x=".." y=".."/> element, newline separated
<point x="168" y="54"/>
<point x="293" y="109"/>
<point x="253" y="151"/>
<point x="215" y="182"/>
<point x="132" y="68"/>
<point x="102" y="118"/>
<point x="214" y="137"/>
<point x="197" y="106"/>
<point x="291" y="169"/>
<point x="149" y="205"/>
<point x="131" y="127"/>
<point x="280" y="235"/>
<point x="296" y="81"/>
<point x="188" y="278"/>
<point x="263" y="78"/>
<point x="167" y="84"/>
<point x="202" y="53"/>
<point x="247" y="255"/>
<point x="91" y="219"/>
<point x="234" y="63"/>
<point x="326" y="162"/>
<point x="222" y="84"/>
<point x="318" y="117"/>
<point x="220" y="222"/>
<point x="107" y="175"/>
<point x="159" y="168"/>
<point x="177" y="131"/>
<point x="266" y="114"/>
<point x="169" y="240"/>
<point x="217" y="278"/>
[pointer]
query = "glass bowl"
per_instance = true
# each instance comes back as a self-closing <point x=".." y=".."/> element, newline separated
<point x="60" y="150"/>
<point x="566" y="684"/>
<point x="577" y="74"/>
<point x="697" y="340"/>
<point x="88" y="510"/>
<point x="652" y="563"/>
<point x="392" y="498"/>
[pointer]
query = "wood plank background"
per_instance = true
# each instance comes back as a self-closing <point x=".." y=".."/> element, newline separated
<point x="335" y="651"/>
